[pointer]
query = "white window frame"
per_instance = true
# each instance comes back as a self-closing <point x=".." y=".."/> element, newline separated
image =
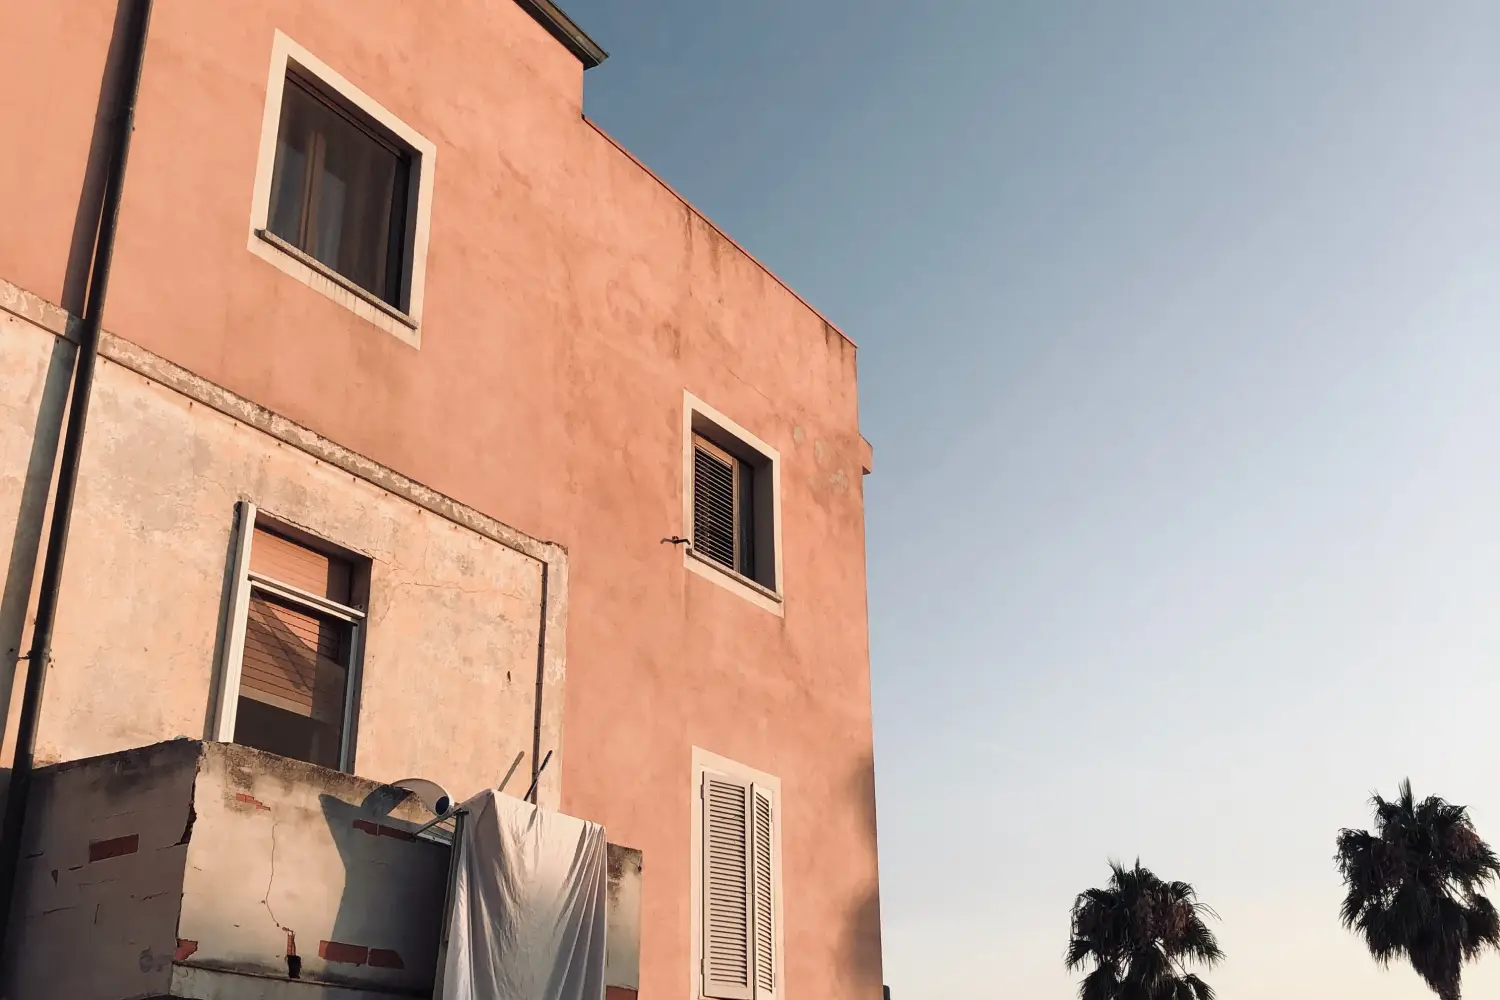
<point x="706" y="762"/>
<point x="405" y="324"/>
<point x="700" y="419"/>
<point x="242" y="583"/>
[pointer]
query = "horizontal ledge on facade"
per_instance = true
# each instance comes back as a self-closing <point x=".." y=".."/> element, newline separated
<point x="323" y="270"/>
<point x="734" y="575"/>
<point x="42" y="314"/>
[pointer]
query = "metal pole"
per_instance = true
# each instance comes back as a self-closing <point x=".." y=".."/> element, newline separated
<point x="530" y="795"/>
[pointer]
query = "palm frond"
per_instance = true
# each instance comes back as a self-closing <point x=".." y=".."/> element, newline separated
<point x="1101" y="984"/>
<point x="1482" y="925"/>
<point x="1199" y="990"/>
<point x="1199" y="944"/>
<point x="1080" y="949"/>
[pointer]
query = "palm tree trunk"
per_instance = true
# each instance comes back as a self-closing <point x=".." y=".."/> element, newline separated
<point x="1449" y="990"/>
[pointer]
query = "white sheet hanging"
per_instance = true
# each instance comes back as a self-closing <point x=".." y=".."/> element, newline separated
<point x="528" y="905"/>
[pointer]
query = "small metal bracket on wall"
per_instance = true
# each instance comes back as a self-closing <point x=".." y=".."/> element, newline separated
<point x="452" y="814"/>
<point x="441" y="804"/>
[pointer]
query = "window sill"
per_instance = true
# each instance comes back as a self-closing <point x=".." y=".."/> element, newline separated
<point x="307" y="260"/>
<point x="758" y="593"/>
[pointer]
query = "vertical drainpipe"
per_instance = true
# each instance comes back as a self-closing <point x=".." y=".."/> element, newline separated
<point x="39" y="657"/>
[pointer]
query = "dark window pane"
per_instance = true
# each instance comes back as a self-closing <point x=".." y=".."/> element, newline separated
<point x="275" y="730"/>
<point x="715" y="511"/>
<point x="288" y="191"/>
<point x="295" y="663"/>
<point x="338" y="193"/>
<point x="745" y="515"/>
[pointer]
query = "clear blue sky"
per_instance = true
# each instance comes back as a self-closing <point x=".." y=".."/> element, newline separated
<point x="1179" y="334"/>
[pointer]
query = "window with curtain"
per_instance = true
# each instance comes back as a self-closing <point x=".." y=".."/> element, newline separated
<point x="339" y="190"/>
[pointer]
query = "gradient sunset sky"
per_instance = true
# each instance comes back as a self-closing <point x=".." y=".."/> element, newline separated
<point x="1179" y="332"/>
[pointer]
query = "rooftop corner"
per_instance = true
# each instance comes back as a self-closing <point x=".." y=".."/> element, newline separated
<point x="563" y="28"/>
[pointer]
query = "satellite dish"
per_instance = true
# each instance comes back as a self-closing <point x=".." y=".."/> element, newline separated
<point x="430" y="792"/>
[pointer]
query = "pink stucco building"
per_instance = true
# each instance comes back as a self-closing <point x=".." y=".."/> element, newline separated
<point x="431" y="428"/>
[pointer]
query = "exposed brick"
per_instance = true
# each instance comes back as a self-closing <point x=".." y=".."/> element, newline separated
<point x="619" y="993"/>
<point x="185" y="949"/>
<point x="251" y="800"/>
<point x="118" y="847"/>
<point x="366" y="826"/>
<point x="384" y="958"/>
<point x="391" y="831"/>
<point x="345" y="954"/>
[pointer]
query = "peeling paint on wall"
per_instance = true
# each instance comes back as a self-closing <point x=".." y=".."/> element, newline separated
<point x="277" y="851"/>
<point x="449" y="675"/>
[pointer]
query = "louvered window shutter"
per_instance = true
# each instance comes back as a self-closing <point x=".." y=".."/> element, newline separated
<point x="763" y="893"/>
<point x="296" y="659"/>
<point x="716" y="504"/>
<point x="728" y="954"/>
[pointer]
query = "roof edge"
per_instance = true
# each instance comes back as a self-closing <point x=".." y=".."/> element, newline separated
<point x="716" y="228"/>
<point x="562" y="27"/>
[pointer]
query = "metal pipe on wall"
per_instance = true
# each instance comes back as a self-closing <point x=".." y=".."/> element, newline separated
<point x="541" y="690"/>
<point x="39" y="657"/>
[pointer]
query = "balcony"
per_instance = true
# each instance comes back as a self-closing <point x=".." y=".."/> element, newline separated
<point x="213" y="871"/>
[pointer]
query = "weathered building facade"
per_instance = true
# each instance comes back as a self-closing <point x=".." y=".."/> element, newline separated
<point x="431" y="428"/>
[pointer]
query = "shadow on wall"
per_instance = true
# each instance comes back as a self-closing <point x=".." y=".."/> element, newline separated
<point x="861" y="952"/>
<point x="31" y="517"/>
<point x="91" y="197"/>
<point x="390" y="911"/>
<point x="31" y="513"/>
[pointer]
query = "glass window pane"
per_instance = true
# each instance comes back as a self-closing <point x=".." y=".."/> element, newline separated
<point x="330" y="231"/>
<point x="287" y="192"/>
<point x="289" y="178"/>
<point x="358" y="183"/>
<point x="293" y="680"/>
<point x="338" y="193"/>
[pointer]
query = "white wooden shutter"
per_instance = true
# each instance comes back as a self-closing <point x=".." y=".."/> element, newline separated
<point x="728" y="955"/>
<point x="763" y="893"/>
<point x="233" y="625"/>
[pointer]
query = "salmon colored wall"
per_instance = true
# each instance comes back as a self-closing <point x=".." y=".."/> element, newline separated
<point x="45" y="129"/>
<point x="570" y="301"/>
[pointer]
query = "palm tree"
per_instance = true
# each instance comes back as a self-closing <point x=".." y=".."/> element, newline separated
<point x="1414" y="887"/>
<point x="1138" y="933"/>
